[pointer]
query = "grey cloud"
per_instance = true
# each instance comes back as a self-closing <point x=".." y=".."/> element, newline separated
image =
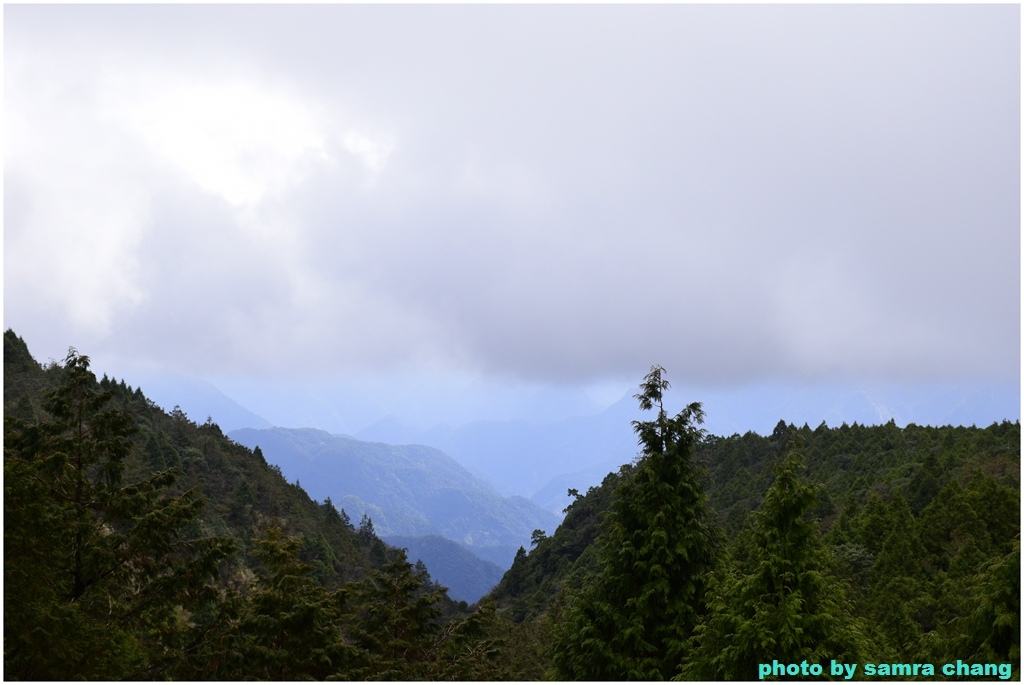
<point x="739" y="193"/>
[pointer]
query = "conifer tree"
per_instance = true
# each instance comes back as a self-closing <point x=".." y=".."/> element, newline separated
<point x="474" y="648"/>
<point x="656" y="550"/>
<point x="397" y="625"/>
<point x="899" y="595"/>
<point x="992" y="631"/>
<point x="99" y="575"/>
<point x="782" y="604"/>
<point x="286" y="627"/>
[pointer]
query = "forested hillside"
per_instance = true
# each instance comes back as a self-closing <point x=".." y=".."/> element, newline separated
<point x="869" y="545"/>
<point x="408" y="490"/>
<point x="139" y="544"/>
<point x="143" y="545"/>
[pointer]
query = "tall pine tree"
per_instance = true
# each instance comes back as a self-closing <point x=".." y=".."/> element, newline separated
<point x="656" y="550"/>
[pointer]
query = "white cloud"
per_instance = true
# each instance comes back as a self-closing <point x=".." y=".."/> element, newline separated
<point x="372" y="152"/>
<point x="95" y="150"/>
<point x="83" y="200"/>
<point x="235" y="140"/>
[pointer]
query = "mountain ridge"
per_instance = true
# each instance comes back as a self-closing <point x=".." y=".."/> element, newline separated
<point x="406" y="490"/>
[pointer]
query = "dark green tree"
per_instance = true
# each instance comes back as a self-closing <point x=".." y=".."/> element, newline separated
<point x="782" y="603"/>
<point x="100" y="576"/>
<point x="657" y="548"/>
<point x="899" y="595"/>
<point x="397" y="621"/>
<point x="992" y="631"/>
<point x="477" y="647"/>
<point x="925" y="484"/>
<point x="287" y="626"/>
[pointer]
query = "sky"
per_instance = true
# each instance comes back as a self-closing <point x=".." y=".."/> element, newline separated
<point x="454" y="212"/>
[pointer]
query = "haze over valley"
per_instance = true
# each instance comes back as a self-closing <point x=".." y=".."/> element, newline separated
<point x="540" y="459"/>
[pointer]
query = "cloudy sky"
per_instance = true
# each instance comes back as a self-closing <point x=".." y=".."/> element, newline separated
<point x="517" y="197"/>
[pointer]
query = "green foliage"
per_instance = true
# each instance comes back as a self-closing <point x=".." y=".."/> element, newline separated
<point x="860" y="461"/>
<point x="120" y="520"/>
<point x="782" y="603"/>
<point x="475" y="647"/>
<point x="396" y="621"/>
<point x="655" y="550"/>
<point x="96" y="571"/>
<point x="992" y="630"/>
<point x="919" y="517"/>
<point x="284" y="626"/>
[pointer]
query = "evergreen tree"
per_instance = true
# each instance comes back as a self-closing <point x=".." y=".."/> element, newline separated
<point x="656" y="550"/>
<point x="397" y="624"/>
<point x="899" y="596"/>
<point x="992" y="631"/>
<point x="476" y="647"/>
<point x="782" y="604"/>
<point x="99" y="576"/>
<point x="286" y="627"/>
<point x="925" y="484"/>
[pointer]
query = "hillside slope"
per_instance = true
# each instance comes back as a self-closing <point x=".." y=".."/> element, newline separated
<point x="523" y="457"/>
<point x="540" y="460"/>
<point x="920" y="525"/>
<point x="407" y="490"/>
<point x="141" y="545"/>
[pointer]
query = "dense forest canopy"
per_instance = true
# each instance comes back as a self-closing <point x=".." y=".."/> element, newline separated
<point x="874" y="545"/>
<point x="139" y="544"/>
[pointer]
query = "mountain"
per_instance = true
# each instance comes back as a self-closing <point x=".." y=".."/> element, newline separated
<point x="162" y="550"/>
<point x="198" y="399"/>
<point x="406" y="490"/>
<point x="542" y="460"/>
<point x="346" y="404"/>
<point x="467" y="576"/>
<point x="523" y="458"/>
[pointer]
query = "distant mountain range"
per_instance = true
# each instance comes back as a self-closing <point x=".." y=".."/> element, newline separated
<point x="539" y="460"/>
<point x="406" y="490"/>
<point x="542" y="461"/>
<point x="437" y="486"/>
